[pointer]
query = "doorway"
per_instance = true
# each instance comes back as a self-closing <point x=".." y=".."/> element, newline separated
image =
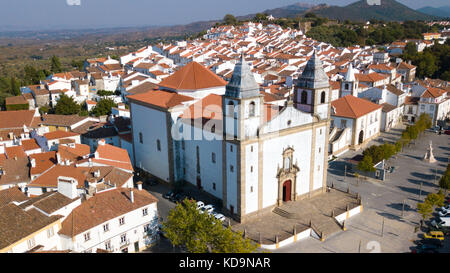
<point x="361" y="137"/>
<point x="136" y="247"/>
<point x="287" y="191"/>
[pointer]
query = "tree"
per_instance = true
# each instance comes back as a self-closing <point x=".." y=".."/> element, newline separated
<point x="260" y="17"/>
<point x="103" y="107"/>
<point x="366" y="164"/>
<point x="15" y="89"/>
<point x="425" y="209"/>
<point x="444" y="182"/>
<point x="435" y="199"/>
<point x="67" y="106"/>
<point x="200" y="232"/>
<point x="55" y="65"/>
<point x="229" y="19"/>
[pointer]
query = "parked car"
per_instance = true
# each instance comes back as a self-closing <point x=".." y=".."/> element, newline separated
<point x="219" y="217"/>
<point x="425" y="248"/>
<point x="444" y="208"/>
<point x="439" y="235"/>
<point x="169" y="194"/>
<point x="200" y="204"/>
<point x="435" y="129"/>
<point x="447" y="132"/>
<point x="208" y="208"/>
<point x="392" y="169"/>
<point x="435" y="242"/>
<point x="444" y="213"/>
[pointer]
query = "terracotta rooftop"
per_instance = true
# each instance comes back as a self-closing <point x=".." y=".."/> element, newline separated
<point x="12" y="194"/>
<point x="103" y="207"/>
<point x="353" y="107"/>
<point x="16" y="223"/>
<point x="160" y="98"/>
<point x="192" y="76"/>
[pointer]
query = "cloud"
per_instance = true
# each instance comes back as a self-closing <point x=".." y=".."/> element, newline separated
<point x="73" y="2"/>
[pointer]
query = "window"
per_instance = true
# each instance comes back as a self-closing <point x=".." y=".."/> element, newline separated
<point x="87" y="236"/>
<point x="214" y="186"/>
<point x="108" y="245"/>
<point x="141" y="138"/>
<point x="158" y="144"/>
<point x="343" y="124"/>
<point x="431" y="107"/>
<point x="121" y="221"/>
<point x="230" y="108"/>
<point x="320" y="150"/>
<point x="123" y="238"/>
<point x="304" y="98"/>
<point x="31" y="243"/>
<point x="213" y="128"/>
<point x="213" y="157"/>
<point x="231" y="148"/>
<point x="106" y="227"/>
<point x="251" y="169"/>
<point x="251" y="189"/>
<point x="318" y="168"/>
<point x="251" y="149"/>
<point x="251" y="109"/>
<point x="231" y="168"/>
<point x="322" y="97"/>
<point x="50" y="232"/>
<point x="146" y="228"/>
<point x="145" y="212"/>
<point x="182" y="144"/>
<point x="320" y="132"/>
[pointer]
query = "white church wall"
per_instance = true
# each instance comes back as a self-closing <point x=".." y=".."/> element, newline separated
<point x="272" y="153"/>
<point x="251" y="177"/>
<point x="152" y="124"/>
<point x="320" y="153"/>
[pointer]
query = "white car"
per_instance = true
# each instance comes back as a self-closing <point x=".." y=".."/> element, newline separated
<point x="219" y="217"/>
<point x="200" y="204"/>
<point x="444" y="213"/>
<point x="208" y="208"/>
<point x="444" y="208"/>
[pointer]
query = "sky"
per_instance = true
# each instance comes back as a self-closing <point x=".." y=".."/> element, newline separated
<point x="74" y="14"/>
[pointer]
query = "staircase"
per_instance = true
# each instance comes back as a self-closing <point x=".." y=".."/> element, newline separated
<point x="284" y="213"/>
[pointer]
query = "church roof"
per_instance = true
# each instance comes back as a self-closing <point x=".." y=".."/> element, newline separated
<point x="192" y="76"/>
<point x="313" y="75"/>
<point x="353" y="107"/>
<point x="242" y="83"/>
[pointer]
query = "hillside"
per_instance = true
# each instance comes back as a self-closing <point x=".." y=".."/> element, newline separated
<point x="441" y="11"/>
<point x="389" y="10"/>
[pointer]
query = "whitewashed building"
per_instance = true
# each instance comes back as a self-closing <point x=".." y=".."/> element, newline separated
<point x="234" y="146"/>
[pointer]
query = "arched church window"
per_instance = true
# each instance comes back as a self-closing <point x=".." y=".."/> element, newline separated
<point x="251" y="109"/>
<point x="230" y="108"/>
<point x="287" y="163"/>
<point x="304" y="98"/>
<point x="287" y="158"/>
<point x="322" y="97"/>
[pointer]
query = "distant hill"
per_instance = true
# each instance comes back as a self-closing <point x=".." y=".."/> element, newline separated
<point x="389" y="10"/>
<point x="441" y="12"/>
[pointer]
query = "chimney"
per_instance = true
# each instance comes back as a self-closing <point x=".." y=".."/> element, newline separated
<point x="139" y="185"/>
<point x="67" y="186"/>
<point x="131" y="196"/>
<point x="101" y="142"/>
<point x="33" y="163"/>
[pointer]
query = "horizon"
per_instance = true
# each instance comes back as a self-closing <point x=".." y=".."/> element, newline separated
<point x="59" y="15"/>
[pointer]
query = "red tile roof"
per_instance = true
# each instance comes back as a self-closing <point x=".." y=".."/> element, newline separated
<point x="353" y="107"/>
<point x="193" y="76"/>
<point x="163" y="99"/>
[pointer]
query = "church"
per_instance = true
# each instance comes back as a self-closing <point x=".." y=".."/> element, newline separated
<point x="224" y="139"/>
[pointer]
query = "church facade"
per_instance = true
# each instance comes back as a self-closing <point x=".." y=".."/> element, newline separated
<point x="251" y="155"/>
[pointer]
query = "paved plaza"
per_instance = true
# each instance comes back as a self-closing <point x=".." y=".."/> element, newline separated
<point x="389" y="218"/>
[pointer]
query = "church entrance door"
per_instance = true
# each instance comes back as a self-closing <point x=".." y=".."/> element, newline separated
<point x="287" y="191"/>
